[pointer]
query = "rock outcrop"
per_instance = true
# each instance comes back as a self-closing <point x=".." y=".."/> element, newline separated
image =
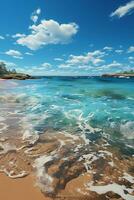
<point x="7" y="74"/>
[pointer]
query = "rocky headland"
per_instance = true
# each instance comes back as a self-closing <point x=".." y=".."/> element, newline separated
<point x="7" y="74"/>
<point x="127" y="74"/>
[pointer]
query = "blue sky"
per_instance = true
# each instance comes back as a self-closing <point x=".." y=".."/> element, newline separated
<point x="65" y="37"/>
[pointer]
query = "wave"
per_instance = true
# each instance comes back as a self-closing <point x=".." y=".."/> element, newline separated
<point x="127" y="130"/>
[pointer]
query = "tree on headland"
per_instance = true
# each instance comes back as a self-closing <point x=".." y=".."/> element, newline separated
<point x="13" y="71"/>
<point x="11" y="74"/>
<point x="3" y="69"/>
<point x="129" y="72"/>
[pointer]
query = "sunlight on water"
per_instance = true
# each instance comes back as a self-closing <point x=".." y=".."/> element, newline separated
<point x="74" y="105"/>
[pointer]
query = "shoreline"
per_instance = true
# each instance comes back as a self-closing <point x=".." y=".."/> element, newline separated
<point x="62" y="167"/>
<point x="118" y="75"/>
<point x="64" y="164"/>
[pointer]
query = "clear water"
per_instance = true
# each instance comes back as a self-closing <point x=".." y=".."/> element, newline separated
<point x="74" y="104"/>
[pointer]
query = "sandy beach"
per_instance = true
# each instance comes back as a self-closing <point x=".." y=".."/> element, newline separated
<point x="47" y="153"/>
<point x="14" y="189"/>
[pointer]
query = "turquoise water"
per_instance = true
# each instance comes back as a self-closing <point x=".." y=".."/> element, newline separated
<point x="77" y="105"/>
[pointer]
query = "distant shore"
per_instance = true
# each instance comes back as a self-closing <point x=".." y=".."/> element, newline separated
<point x="119" y="75"/>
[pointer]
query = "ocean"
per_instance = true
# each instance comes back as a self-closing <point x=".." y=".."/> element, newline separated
<point x="97" y="110"/>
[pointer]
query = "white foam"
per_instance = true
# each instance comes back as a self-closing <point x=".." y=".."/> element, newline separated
<point x="2" y="119"/>
<point x="6" y="148"/>
<point x="28" y="132"/>
<point x="114" y="187"/>
<point x="3" y="139"/>
<point x="84" y="125"/>
<point x="44" y="180"/>
<point x="77" y="148"/>
<point x="111" y="163"/>
<point x="10" y="174"/>
<point x="127" y="129"/>
<point x="106" y="152"/>
<point x="3" y="127"/>
<point x="74" y="137"/>
<point x="128" y="177"/>
<point x="89" y="159"/>
<point x="62" y="143"/>
<point x="30" y="135"/>
<point x="86" y="140"/>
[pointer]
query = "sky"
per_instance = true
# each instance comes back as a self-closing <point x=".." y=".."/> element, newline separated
<point x="66" y="37"/>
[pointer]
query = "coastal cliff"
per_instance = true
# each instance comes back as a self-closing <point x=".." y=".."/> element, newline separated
<point x="7" y="74"/>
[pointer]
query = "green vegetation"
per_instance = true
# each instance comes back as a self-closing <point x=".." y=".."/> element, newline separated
<point x="11" y="74"/>
<point x="3" y="69"/>
<point x="129" y="72"/>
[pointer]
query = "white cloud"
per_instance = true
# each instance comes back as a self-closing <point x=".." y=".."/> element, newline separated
<point x="119" y="51"/>
<point x="18" y="35"/>
<point x="1" y="37"/>
<point x="34" y="18"/>
<point x="28" y="53"/>
<point x="58" y="59"/>
<point x="46" y="64"/>
<point x="38" y="11"/>
<point x="35" y="15"/>
<point x="64" y="66"/>
<point x="14" y="53"/>
<point x="91" y="57"/>
<point x="48" y="32"/>
<point x="85" y="61"/>
<point x="131" y="49"/>
<point x="131" y="58"/>
<point x="114" y="64"/>
<point x="123" y="10"/>
<point x="107" y="48"/>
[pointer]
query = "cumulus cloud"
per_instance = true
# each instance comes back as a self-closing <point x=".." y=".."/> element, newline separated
<point x="29" y="54"/>
<point x="119" y="51"/>
<point x="48" y="32"/>
<point x="131" y="59"/>
<point x="114" y="64"/>
<point x="14" y="53"/>
<point x="93" y="61"/>
<point x="58" y="59"/>
<point x="18" y="35"/>
<point x="46" y="65"/>
<point x="123" y="10"/>
<point x="64" y="65"/>
<point x="131" y="49"/>
<point x="35" y="15"/>
<point x="85" y="61"/>
<point x="1" y="37"/>
<point x="94" y="58"/>
<point x="107" y="48"/>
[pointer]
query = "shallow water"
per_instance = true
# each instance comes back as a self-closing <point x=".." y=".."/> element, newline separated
<point x="73" y="104"/>
<point x="99" y="110"/>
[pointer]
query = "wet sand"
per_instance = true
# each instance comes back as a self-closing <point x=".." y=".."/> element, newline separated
<point x="19" y="189"/>
<point x="63" y="167"/>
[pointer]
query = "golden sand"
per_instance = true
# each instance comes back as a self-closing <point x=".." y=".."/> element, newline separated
<point x="19" y="189"/>
<point x="62" y="167"/>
